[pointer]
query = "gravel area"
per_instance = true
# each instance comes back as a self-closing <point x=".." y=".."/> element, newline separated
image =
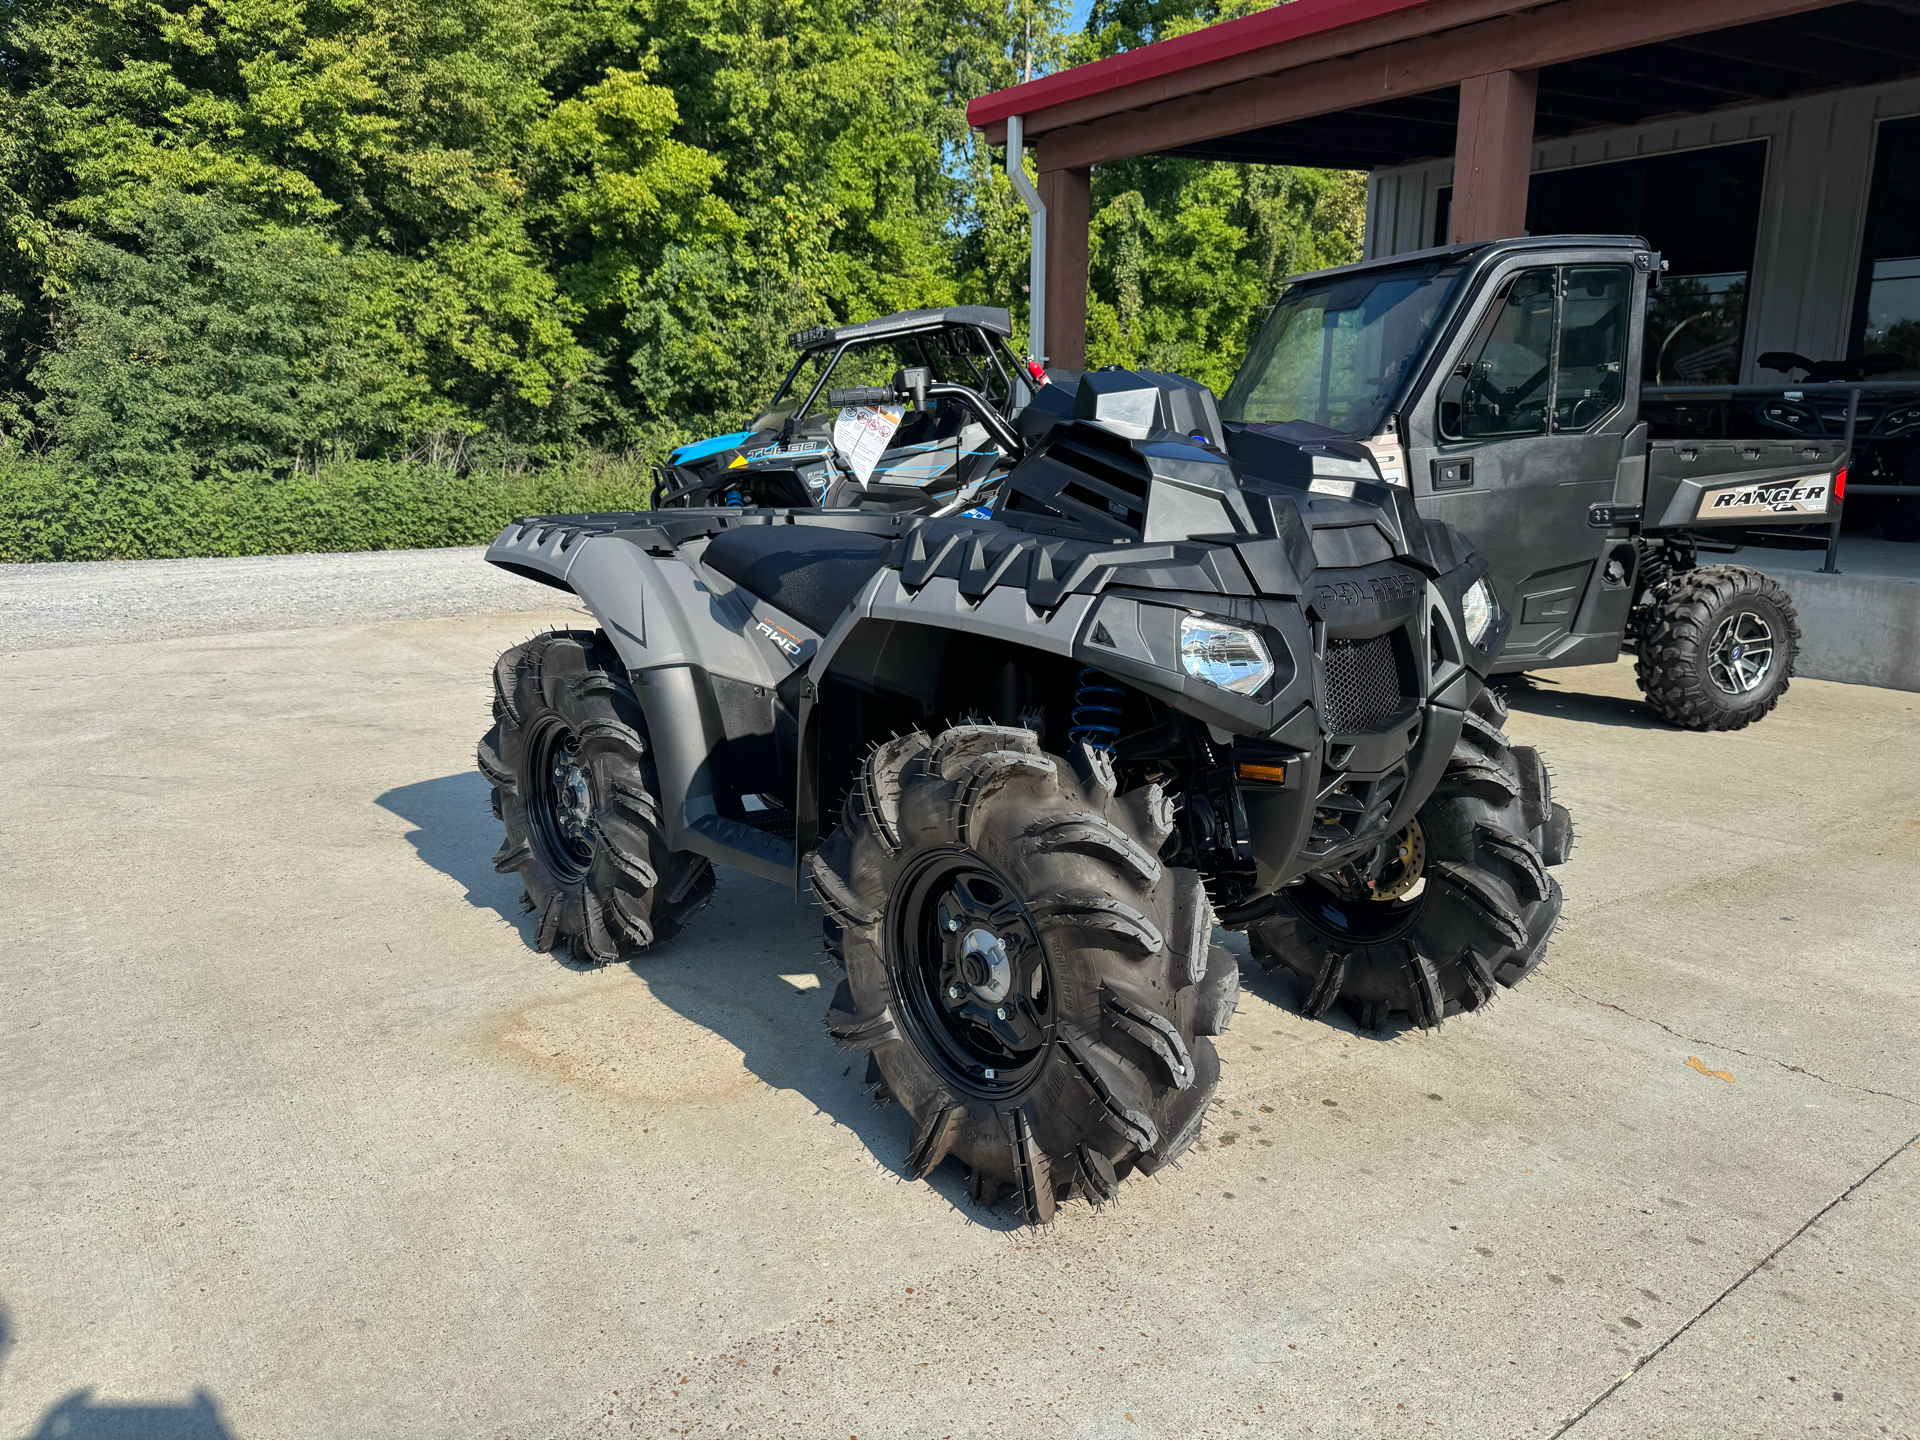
<point x="45" y="607"/>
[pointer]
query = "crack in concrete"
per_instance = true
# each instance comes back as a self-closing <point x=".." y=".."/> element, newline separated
<point x="1642" y="1364"/>
<point x="1733" y="1050"/>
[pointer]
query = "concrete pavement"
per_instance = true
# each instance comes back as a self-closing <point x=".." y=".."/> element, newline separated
<point x="300" y="1137"/>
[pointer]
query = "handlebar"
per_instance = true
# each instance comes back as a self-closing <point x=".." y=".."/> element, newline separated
<point x="862" y="395"/>
<point x="918" y="386"/>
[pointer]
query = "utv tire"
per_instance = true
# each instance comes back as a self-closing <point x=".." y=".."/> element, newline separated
<point x="1901" y="520"/>
<point x="1717" y="648"/>
<point x="1481" y="916"/>
<point x="574" y="786"/>
<point x="1031" y="984"/>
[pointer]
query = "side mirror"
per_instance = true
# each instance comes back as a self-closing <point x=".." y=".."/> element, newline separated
<point x="914" y="381"/>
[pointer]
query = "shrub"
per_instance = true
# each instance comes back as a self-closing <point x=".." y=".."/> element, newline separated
<point x="51" y="511"/>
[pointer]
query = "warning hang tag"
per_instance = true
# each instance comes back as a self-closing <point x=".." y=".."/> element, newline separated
<point x="862" y="433"/>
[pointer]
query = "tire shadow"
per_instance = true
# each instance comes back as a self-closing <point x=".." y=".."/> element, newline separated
<point x="748" y="968"/>
<point x="454" y="831"/>
<point x="1546" y="696"/>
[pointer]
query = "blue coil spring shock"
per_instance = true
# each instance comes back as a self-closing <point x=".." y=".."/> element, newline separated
<point x="1097" y="711"/>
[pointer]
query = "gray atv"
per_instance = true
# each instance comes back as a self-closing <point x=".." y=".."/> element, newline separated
<point x="1027" y="764"/>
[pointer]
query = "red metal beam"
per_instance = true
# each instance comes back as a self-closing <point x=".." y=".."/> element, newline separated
<point x="1283" y="38"/>
<point x="1549" y="35"/>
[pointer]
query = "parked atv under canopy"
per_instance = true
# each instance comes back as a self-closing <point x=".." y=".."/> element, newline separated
<point x="1026" y="763"/>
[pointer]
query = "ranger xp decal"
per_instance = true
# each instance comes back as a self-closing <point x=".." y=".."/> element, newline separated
<point x="1785" y="497"/>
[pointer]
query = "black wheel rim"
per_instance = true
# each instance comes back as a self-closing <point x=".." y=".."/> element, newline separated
<point x="1362" y="921"/>
<point x="560" y="800"/>
<point x="976" y="990"/>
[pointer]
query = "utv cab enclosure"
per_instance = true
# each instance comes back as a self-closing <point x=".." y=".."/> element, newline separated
<point x="1500" y="383"/>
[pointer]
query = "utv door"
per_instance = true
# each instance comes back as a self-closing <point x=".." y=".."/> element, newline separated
<point x="1528" y="421"/>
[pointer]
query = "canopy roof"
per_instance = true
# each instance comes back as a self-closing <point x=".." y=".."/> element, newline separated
<point x="991" y="318"/>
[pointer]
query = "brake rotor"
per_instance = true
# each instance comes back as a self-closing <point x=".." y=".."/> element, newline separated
<point x="1405" y="868"/>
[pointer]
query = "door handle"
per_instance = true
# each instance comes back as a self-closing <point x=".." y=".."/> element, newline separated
<point x="1456" y="474"/>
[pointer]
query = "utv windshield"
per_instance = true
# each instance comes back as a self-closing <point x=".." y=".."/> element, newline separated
<point x="1335" y="352"/>
<point x="956" y="356"/>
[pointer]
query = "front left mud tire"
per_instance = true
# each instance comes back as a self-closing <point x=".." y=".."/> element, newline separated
<point x="574" y="786"/>
<point x="1481" y="918"/>
<point x="1032" y="985"/>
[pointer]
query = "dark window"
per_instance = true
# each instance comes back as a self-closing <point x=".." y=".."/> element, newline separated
<point x="1595" y="306"/>
<point x="1505" y="381"/>
<point x="1535" y="357"/>
<point x="1701" y="210"/>
<point x="1887" y="302"/>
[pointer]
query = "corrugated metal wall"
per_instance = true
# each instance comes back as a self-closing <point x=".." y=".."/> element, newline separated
<point x="1813" y="201"/>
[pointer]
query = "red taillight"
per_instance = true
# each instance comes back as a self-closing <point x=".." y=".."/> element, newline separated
<point x="1841" y="483"/>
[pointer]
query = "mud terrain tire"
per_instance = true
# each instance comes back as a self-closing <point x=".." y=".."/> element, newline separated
<point x="1031" y="984"/>
<point x="1697" y="643"/>
<point x="1481" y="918"/>
<point x="574" y="786"/>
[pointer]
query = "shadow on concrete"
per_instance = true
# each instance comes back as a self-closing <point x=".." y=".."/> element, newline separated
<point x="1549" y="696"/>
<point x="79" y="1415"/>
<point x="455" y="832"/>
<point x="749" y="968"/>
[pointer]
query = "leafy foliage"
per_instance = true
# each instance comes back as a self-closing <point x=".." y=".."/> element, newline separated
<point x="248" y="241"/>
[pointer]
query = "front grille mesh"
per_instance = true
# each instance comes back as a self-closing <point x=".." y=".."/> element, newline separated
<point x="1363" y="683"/>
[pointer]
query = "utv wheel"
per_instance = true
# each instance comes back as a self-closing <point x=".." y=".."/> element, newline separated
<point x="574" y="787"/>
<point x="1031" y="984"/>
<point x="1465" y="906"/>
<point x="1718" y="648"/>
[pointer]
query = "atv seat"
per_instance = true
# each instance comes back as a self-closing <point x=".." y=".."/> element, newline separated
<point x="809" y="571"/>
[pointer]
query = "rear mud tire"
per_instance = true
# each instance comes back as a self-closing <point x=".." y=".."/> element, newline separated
<point x="1103" y="1062"/>
<point x="1683" y="666"/>
<point x="574" y="787"/>
<point x="1481" y="919"/>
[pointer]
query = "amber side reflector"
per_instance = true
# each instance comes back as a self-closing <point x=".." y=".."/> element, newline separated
<point x="1272" y="772"/>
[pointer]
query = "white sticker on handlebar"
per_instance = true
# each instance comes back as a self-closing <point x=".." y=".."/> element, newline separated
<point x="862" y="433"/>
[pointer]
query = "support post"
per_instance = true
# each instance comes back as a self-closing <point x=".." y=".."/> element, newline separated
<point x="1036" y="239"/>
<point x="1493" y="153"/>
<point x="1068" y="195"/>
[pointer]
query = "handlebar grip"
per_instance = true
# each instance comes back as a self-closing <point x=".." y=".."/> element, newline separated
<point x="861" y="395"/>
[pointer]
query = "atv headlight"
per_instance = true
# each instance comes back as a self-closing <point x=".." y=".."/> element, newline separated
<point x="1479" y="610"/>
<point x="1224" y="655"/>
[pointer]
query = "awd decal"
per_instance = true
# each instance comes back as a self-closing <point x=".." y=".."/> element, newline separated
<point x="778" y="636"/>
<point x="1808" y="493"/>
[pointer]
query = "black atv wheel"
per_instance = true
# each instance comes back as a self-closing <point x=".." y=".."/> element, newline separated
<point x="1030" y="983"/>
<point x="572" y="783"/>
<point x="1465" y="906"/>
<point x="1717" y="648"/>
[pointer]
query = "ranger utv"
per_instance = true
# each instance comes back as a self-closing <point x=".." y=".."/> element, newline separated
<point x="941" y="459"/>
<point x="1498" y="384"/>
<point x="1025" y="762"/>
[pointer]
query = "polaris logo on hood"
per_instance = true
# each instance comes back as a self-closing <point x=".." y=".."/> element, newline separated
<point x="1381" y="589"/>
